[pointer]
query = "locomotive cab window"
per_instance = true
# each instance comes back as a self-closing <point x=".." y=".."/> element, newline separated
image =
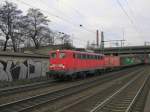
<point x="62" y="55"/>
<point x="100" y="57"/>
<point x="74" y="55"/>
<point x="53" y="55"/>
<point x="83" y="56"/>
<point x="95" y="57"/>
<point x="88" y="56"/>
<point x="79" y="56"/>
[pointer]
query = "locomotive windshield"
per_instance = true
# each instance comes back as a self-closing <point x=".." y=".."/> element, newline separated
<point x="53" y="55"/>
<point x="62" y="55"/>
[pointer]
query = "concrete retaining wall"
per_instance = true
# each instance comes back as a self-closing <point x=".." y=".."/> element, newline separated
<point x="15" y="66"/>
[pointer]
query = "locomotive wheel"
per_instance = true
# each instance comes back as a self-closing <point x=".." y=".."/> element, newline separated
<point x="83" y="75"/>
<point x="97" y="72"/>
<point x="73" y="77"/>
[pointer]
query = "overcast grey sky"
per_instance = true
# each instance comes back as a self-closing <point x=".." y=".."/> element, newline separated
<point x="112" y="16"/>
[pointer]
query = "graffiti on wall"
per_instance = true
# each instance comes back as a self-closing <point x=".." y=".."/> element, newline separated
<point x="15" y="70"/>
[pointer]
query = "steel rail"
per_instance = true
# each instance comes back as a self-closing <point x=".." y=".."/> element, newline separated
<point x="137" y="95"/>
<point x="23" y="88"/>
<point x="44" y="98"/>
<point x="104" y="103"/>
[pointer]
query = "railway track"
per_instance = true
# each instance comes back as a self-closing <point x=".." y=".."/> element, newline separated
<point x="29" y="103"/>
<point x="27" y="87"/>
<point x="138" y="103"/>
<point x="20" y="93"/>
<point x="24" y="88"/>
<point x="124" y="100"/>
<point x="109" y="99"/>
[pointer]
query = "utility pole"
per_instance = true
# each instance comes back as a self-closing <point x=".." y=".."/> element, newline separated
<point x="102" y="42"/>
<point x="122" y="41"/>
<point x="97" y="38"/>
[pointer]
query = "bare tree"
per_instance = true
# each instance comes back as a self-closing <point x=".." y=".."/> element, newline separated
<point x="64" y="40"/>
<point x="46" y="37"/>
<point x="9" y="16"/>
<point x="20" y="33"/>
<point x="37" y="26"/>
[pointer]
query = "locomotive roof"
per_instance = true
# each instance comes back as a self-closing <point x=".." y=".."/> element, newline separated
<point x="82" y="52"/>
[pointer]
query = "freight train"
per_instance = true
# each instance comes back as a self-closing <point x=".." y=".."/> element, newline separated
<point x="72" y="64"/>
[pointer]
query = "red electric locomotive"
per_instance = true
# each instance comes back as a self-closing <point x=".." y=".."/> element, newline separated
<point x="69" y="63"/>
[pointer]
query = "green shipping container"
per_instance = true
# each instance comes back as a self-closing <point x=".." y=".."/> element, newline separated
<point x="127" y="60"/>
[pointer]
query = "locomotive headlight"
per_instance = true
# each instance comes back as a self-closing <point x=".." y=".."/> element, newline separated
<point x="57" y="65"/>
<point x="52" y="65"/>
<point x="61" y="65"/>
